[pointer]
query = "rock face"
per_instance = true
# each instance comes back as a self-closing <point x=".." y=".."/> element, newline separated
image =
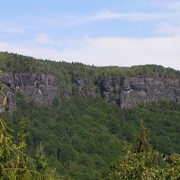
<point x="126" y="92"/>
<point x="38" y="87"/>
<point x="85" y="88"/>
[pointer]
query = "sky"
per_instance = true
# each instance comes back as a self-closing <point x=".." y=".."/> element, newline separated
<point x="93" y="32"/>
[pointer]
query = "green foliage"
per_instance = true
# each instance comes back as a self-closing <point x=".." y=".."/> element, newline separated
<point x="134" y="166"/>
<point x="15" y="164"/>
<point x="81" y="135"/>
<point x="141" y="143"/>
<point x="172" y="169"/>
<point x="41" y="161"/>
<point x="141" y="162"/>
<point x="67" y="72"/>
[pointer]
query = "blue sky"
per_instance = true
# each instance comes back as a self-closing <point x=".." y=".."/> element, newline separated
<point x="94" y="32"/>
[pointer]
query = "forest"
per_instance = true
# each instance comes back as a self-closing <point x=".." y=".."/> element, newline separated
<point x="80" y="137"/>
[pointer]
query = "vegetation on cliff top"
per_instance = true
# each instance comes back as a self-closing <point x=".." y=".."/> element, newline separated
<point x="18" y="63"/>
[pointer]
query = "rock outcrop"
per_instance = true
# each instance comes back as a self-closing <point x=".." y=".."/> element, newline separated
<point x="126" y="92"/>
<point x="39" y="87"/>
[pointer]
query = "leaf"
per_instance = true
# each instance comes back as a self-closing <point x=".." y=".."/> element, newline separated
<point x="4" y="103"/>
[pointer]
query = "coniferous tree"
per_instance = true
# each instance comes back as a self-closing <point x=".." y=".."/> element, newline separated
<point x="141" y="162"/>
<point x="15" y="164"/>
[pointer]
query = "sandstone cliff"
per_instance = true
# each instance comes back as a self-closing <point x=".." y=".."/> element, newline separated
<point x="39" y="87"/>
<point x="126" y="92"/>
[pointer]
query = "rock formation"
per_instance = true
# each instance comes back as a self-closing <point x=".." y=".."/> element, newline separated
<point x="38" y="87"/>
<point x="126" y="92"/>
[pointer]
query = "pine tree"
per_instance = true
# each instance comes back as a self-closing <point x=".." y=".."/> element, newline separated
<point x="40" y="158"/>
<point x="16" y="164"/>
<point x="141" y="162"/>
<point x="141" y="143"/>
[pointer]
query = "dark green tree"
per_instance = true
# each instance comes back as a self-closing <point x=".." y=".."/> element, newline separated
<point x="16" y="164"/>
<point x="141" y="162"/>
<point x="40" y="157"/>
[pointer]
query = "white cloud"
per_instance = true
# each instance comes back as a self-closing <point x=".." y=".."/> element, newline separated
<point x="43" y="38"/>
<point x="71" y="21"/>
<point x="169" y="29"/>
<point x="129" y="16"/>
<point x="11" y="29"/>
<point x="171" y="5"/>
<point x="127" y="51"/>
<point x="109" y="51"/>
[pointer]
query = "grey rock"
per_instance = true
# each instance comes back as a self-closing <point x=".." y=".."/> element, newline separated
<point x="126" y="92"/>
<point x="38" y="87"/>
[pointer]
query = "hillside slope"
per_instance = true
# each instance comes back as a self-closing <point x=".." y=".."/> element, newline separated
<point x="86" y="116"/>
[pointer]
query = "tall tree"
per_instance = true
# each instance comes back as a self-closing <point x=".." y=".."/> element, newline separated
<point x="141" y="162"/>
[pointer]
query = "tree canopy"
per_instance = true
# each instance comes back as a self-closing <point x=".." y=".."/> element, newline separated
<point x="82" y="136"/>
<point x="142" y="162"/>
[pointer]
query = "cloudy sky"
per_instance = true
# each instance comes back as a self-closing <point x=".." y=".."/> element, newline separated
<point x="94" y="32"/>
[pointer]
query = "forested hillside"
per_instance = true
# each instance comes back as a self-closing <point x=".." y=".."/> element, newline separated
<point x="84" y="133"/>
<point x="18" y="63"/>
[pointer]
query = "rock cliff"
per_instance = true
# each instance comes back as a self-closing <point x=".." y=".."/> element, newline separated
<point x="126" y="92"/>
<point x="39" y="87"/>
